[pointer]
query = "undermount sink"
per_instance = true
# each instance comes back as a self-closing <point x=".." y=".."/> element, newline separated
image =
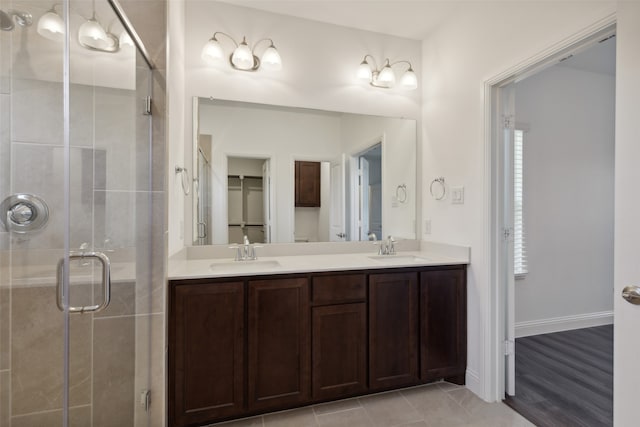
<point x="251" y="265"/>
<point x="397" y="258"/>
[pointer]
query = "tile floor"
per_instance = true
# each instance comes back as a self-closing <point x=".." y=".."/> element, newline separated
<point x="433" y="405"/>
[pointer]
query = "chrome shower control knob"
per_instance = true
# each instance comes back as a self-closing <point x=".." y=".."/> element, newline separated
<point x="22" y="213"/>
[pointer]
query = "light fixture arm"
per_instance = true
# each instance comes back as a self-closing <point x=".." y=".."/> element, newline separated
<point x="224" y="34"/>
<point x="263" y="40"/>
<point x="401" y="62"/>
<point x="375" y="64"/>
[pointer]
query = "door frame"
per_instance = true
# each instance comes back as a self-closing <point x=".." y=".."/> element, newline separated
<point x="496" y="303"/>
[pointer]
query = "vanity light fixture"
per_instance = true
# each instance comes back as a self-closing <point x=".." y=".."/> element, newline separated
<point x="385" y="77"/>
<point x="93" y="36"/>
<point x="51" y="25"/>
<point x="242" y="58"/>
<point x="125" y="39"/>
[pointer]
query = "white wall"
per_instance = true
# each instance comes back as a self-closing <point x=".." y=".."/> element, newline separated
<point x="479" y="43"/>
<point x="568" y="196"/>
<point x="319" y="65"/>
<point x="176" y="116"/>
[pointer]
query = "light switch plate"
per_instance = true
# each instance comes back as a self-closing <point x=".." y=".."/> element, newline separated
<point x="457" y="195"/>
<point x="427" y="226"/>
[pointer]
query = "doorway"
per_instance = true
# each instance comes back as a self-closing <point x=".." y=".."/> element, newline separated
<point x="556" y="176"/>
<point x="248" y="200"/>
<point x="369" y="193"/>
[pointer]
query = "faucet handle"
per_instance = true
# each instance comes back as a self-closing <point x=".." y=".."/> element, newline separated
<point x="238" y="252"/>
<point x="252" y="251"/>
<point x="379" y="245"/>
<point x="391" y="248"/>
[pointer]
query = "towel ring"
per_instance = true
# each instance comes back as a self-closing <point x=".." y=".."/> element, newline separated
<point x="401" y="193"/>
<point x="186" y="186"/>
<point x="438" y="194"/>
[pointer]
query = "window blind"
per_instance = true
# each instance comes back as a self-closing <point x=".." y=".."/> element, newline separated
<point x="519" y="248"/>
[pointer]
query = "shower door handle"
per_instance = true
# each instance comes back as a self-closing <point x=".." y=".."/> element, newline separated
<point x="202" y="234"/>
<point x="106" y="282"/>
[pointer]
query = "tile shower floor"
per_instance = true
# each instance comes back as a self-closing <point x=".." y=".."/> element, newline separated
<point x="434" y="405"/>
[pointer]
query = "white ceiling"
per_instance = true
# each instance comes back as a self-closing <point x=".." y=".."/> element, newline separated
<point x="412" y="19"/>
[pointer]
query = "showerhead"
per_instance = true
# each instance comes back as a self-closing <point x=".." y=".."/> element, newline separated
<point x="23" y="19"/>
<point x="6" y="22"/>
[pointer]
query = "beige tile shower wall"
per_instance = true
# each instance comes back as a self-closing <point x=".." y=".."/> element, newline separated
<point x="37" y="351"/>
<point x="102" y="360"/>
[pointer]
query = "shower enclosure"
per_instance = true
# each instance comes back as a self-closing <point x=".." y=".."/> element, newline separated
<point x="81" y="340"/>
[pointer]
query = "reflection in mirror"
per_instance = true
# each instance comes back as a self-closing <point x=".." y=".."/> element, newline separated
<point x="279" y="174"/>
<point x="247" y="198"/>
<point x="370" y="190"/>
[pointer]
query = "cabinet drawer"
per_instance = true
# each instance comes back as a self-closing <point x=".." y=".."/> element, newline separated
<point x="338" y="288"/>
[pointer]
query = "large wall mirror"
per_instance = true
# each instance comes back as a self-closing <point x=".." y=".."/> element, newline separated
<point x="279" y="174"/>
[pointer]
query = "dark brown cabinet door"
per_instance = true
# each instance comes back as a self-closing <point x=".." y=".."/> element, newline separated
<point x="206" y="356"/>
<point x="279" y="343"/>
<point x="443" y="325"/>
<point x="307" y="184"/>
<point x="339" y="350"/>
<point x="393" y="330"/>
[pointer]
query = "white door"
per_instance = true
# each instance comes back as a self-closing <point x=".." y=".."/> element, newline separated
<point x="266" y="200"/>
<point x="627" y="208"/>
<point x="364" y="198"/>
<point x="337" y="212"/>
<point x="506" y="128"/>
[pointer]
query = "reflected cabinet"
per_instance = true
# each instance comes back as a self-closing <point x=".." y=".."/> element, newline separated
<point x="248" y="345"/>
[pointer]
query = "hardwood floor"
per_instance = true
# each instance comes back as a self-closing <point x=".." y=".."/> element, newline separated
<point x="565" y="379"/>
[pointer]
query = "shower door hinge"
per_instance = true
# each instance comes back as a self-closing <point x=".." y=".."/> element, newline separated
<point x="506" y="233"/>
<point x="509" y="347"/>
<point x="145" y="399"/>
<point x="507" y="122"/>
<point x="147" y="106"/>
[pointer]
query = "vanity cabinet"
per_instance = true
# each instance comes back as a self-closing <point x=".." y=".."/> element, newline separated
<point x="443" y="325"/>
<point x="206" y="352"/>
<point x="339" y="335"/>
<point x="278" y="343"/>
<point x="252" y="344"/>
<point x="393" y="330"/>
<point x="307" y="184"/>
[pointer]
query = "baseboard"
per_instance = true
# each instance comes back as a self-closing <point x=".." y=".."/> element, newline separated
<point x="565" y="323"/>
<point x="473" y="383"/>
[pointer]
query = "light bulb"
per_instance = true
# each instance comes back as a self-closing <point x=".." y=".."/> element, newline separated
<point x="51" y="26"/>
<point x="409" y="80"/>
<point x="125" y="39"/>
<point x="386" y="77"/>
<point x="364" y="72"/>
<point x="212" y="52"/>
<point x="271" y="59"/>
<point x="93" y="35"/>
<point x="242" y="57"/>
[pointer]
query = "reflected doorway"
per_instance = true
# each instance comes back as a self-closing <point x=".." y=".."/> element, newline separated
<point x="248" y="194"/>
<point x="370" y="193"/>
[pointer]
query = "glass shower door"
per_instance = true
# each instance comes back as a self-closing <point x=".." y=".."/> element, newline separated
<point x="76" y="307"/>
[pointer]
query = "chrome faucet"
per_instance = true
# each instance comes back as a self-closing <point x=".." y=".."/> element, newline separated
<point x="246" y="251"/>
<point x="387" y="247"/>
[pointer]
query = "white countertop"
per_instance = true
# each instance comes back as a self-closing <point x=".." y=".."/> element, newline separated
<point x="182" y="267"/>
